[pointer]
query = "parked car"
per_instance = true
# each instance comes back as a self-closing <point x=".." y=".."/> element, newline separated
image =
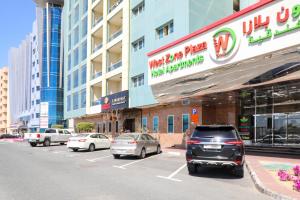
<point x="269" y="139"/>
<point x="8" y="136"/>
<point x="89" y="142"/>
<point x="214" y="146"/>
<point x="135" y="144"/>
<point x="50" y="135"/>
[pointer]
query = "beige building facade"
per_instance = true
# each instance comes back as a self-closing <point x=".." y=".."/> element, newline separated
<point x="4" y="101"/>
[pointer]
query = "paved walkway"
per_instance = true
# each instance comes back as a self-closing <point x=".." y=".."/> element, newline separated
<point x="266" y="169"/>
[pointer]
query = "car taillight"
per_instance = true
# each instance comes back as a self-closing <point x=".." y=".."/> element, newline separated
<point x="132" y="142"/>
<point x="82" y="140"/>
<point x="113" y="142"/>
<point x="193" y="142"/>
<point x="235" y="142"/>
<point x="38" y="135"/>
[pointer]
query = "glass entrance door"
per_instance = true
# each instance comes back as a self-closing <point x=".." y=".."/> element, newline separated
<point x="280" y="128"/>
<point x="263" y="128"/>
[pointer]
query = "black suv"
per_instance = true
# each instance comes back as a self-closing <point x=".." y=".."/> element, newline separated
<point x="216" y="145"/>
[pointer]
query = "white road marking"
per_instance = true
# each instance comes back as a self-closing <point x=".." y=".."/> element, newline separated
<point x="170" y="177"/>
<point x="174" y="153"/>
<point x="99" y="158"/>
<point x="123" y="166"/>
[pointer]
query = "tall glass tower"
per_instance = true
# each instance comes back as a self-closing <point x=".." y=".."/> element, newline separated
<point x="52" y="63"/>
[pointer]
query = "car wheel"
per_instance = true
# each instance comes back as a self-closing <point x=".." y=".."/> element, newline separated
<point x="158" y="151"/>
<point x="47" y="142"/>
<point x="239" y="171"/>
<point x="33" y="144"/>
<point x="116" y="156"/>
<point x="92" y="147"/>
<point x="143" y="153"/>
<point x="62" y="143"/>
<point x="75" y="150"/>
<point x="192" y="168"/>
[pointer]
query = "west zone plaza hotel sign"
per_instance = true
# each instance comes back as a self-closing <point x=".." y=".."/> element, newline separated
<point x="260" y="29"/>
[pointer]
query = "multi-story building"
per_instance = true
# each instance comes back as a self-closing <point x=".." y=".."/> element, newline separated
<point x="75" y="16"/>
<point x="20" y="83"/>
<point x="34" y="123"/>
<point x="242" y="70"/>
<point x="51" y="108"/>
<point x="107" y="62"/>
<point x="154" y="24"/>
<point x="4" y="101"/>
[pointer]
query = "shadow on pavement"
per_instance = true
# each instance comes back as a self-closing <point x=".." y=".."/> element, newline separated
<point x="220" y="173"/>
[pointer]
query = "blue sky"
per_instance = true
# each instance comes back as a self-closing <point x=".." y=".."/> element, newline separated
<point x="16" y="18"/>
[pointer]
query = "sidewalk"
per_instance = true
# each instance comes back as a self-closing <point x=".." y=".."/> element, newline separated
<point x="264" y="170"/>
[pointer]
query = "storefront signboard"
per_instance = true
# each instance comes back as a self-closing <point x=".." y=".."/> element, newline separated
<point x="115" y="101"/>
<point x="195" y="116"/>
<point x="244" y="127"/>
<point x="44" y="118"/>
<point x="271" y="27"/>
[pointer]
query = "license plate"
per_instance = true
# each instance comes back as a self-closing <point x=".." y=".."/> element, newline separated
<point x="212" y="146"/>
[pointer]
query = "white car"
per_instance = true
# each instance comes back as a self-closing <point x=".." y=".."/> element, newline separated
<point x="90" y="141"/>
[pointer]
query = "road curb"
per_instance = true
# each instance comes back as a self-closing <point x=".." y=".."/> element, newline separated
<point x="260" y="186"/>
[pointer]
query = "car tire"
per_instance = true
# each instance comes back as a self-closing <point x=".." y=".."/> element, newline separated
<point x="116" y="156"/>
<point x="62" y="143"/>
<point x="142" y="154"/>
<point x="47" y="143"/>
<point x="239" y="171"/>
<point x="75" y="150"/>
<point x="192" y="168"/>
<point x="91" y="148"/>
<point x="33" y="144"/>
<point x="158" y="150"/>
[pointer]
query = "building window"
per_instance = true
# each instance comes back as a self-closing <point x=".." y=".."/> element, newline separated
<point x="75" y="101"/>
<point x="84" y="27"/>
<point x="32" y="89"/>
<point x="37" y="115"/>
<point x="70" y="4"/>
<point x="109" y="127"/>
<point x="83" y="98"/>
<point x="138" y="44"/>
<point x="37" y="75"/>
<point x="84" y="51"/>
<point x="69" y="62"/>
<point x="69" y="82"/>
<point x="70" y="22"/>
<point x="144" y="123"/>
<point x="38" y="88"/>
<point x="138" y="9"/>
<point x="32" y="102"/>
<point x="76" y="35"/>
<point x="69" y="42"/>
<point x="185" y="122"/>
<point x="117" y="126"/>
<point x="85" y="6"/>
<point x="155" y="124"/>
<point x="76" y="57"/>
<point x="171" y="124"/>
<point x="32" y="76"/>
<point x="37" y="101"/>
<point x="75" y="79"/>
<point x="76" y="14"/>
<point x="165" y="30"/>
<point x="83" y="74"/>
<point x="69" y="103"/>
<point x="138" y="80"/>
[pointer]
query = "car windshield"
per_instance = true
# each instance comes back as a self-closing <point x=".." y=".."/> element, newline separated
<point x="212" y="132"/>
<point x="128" y="137"/>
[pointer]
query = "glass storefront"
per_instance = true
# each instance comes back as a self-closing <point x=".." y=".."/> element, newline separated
<point x="274" y="112"/>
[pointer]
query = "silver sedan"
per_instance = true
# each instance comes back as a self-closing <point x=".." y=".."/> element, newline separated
<point x="135" y="144"/>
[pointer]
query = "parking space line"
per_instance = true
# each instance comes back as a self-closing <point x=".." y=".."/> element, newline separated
<point x="170" y="177"/>
<point x="123" y="166"/>
<point x="99" y="158"/>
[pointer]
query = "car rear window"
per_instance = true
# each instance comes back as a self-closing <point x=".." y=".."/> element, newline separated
<point x="128" y="137"/>
<point x="211" y="132"/>
<point x="50" y="131"/>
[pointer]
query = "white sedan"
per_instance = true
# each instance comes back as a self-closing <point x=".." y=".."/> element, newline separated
<point x="90" y="141"/>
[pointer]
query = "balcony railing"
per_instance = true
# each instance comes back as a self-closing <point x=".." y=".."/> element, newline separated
<point x="114" y="5"/>
<point x="97" y="21"/>
<point x="97" y="47"/>
<point x="114" y="66"/>
<point x="96" y="75"/>
<point x="115" y="35"/>
<point x="96" y="103"/>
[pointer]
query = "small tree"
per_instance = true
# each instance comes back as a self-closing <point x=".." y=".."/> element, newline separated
<point x="85" y="126"/>
<point x="59" y="126"/>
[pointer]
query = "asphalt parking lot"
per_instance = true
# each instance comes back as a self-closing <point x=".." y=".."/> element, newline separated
<point x="59" y="173"/>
